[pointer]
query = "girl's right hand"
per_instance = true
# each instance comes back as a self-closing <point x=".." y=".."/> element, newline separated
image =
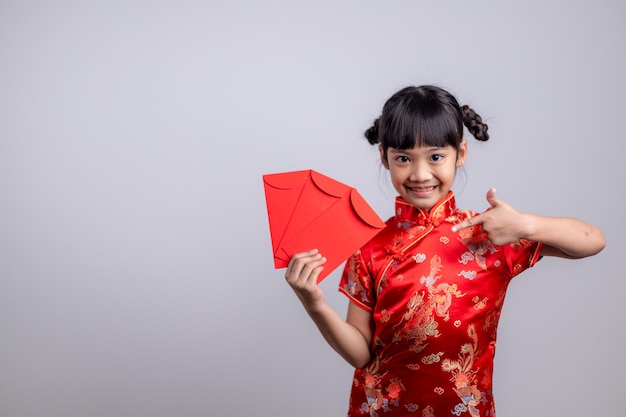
<point x="302" y="273"/>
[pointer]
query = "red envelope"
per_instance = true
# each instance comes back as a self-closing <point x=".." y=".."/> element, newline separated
<point x="308" y="210"/>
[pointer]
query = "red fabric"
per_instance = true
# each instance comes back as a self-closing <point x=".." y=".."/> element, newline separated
<point x="436" y="297"/>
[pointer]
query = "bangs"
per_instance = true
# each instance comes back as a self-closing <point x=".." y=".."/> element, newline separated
<point x="423" y="123"/>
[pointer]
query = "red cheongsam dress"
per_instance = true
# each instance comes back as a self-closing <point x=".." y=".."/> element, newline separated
<point x="436" y="297"/>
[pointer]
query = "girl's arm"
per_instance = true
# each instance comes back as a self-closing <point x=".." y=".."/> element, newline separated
<point x="351" y="337"/>
<point x="561" y="236"/>
<point x="564" y="237"/>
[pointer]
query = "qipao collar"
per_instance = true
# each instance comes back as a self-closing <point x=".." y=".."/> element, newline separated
<point x="409" y="215"/>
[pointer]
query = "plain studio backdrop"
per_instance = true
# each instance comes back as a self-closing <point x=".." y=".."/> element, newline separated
<point x="136" y="274"/>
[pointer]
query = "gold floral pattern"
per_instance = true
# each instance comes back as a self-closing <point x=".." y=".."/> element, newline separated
<point x="436" y="297"/>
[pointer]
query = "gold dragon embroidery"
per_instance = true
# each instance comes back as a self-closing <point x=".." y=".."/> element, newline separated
<point x="419" y="321"/>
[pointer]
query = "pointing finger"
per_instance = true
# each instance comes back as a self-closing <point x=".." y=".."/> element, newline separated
<point x="469" y="222"/>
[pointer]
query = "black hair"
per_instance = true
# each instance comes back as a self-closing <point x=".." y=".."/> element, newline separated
<point x="424" y="116"/>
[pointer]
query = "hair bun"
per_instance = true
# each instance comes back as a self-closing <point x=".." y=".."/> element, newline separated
<point x="371" y="134"/>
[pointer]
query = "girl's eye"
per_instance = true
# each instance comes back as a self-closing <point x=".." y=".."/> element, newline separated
<point x="436" y="158"/>
<point x="402" y="158"/>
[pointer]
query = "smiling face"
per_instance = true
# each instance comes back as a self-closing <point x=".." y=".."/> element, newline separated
<point x="423" y="175"/>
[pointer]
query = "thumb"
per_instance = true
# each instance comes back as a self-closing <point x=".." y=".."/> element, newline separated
<point x="491" y="198"/>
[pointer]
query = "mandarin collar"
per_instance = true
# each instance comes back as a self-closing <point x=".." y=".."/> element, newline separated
<point x="408" y="215"/>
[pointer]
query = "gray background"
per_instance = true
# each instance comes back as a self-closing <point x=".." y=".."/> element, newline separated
<point x="136" y="274"/>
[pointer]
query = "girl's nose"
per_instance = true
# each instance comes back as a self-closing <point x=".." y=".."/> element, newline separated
<point x="420" y="173"/>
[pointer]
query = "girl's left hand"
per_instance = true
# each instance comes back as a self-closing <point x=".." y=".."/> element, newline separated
<point x="502" y="223"/>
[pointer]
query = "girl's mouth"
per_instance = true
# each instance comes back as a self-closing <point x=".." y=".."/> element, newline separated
<point x="422" y="191"/>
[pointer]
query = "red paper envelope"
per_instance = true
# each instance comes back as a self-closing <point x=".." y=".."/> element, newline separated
<point x="308" y="210"/>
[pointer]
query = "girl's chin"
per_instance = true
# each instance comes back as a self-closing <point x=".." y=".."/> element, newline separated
<point x="423" y="201"/>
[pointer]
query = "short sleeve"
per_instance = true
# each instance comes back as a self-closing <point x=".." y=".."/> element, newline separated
<point x="521" y="255"/>
<point x="357" y="283"/>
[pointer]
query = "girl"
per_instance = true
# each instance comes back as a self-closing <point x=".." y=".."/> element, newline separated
<point x="426" y="292"/>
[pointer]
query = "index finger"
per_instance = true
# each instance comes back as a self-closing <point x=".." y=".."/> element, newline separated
<point x="467" y="223"/>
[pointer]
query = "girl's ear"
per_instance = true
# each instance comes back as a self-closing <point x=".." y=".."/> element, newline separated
<point x="462" y="155"/>
<point x="383" y="157"/>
